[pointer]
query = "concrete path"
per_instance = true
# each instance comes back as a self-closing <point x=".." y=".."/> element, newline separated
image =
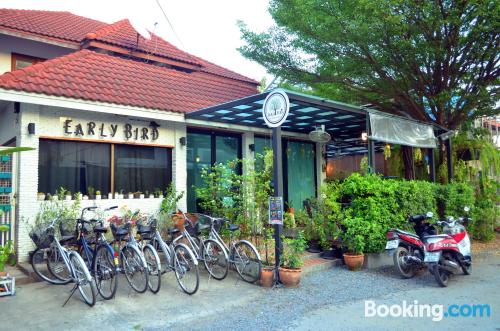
<point x="482" y="287"/>
<point x="326" y="300"/>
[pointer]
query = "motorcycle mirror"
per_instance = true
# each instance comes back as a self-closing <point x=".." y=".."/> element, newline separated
<point x="466" y="209"/>
<point x="429" y="214"/>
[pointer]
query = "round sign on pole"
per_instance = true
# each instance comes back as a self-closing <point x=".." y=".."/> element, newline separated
<point x="276" y="108"/>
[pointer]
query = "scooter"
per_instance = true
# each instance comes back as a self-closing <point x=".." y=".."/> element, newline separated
<point x="450" y="252"/>
<point x="408" y="249"/>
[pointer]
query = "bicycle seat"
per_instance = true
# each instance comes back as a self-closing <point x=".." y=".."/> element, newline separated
<point x="234" y="227"/>
<point x="173" y="231"/>
<point x="120" y="232"/>
<point x="100" y="229"/>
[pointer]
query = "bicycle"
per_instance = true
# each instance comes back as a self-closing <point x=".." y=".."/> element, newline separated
<point x="132" y="261"/>
<point x="101" y="258"/>
<point x="78" y="271"/>
<point x="242" y="254"/>
<point x="175" y="257"/>
<point x="209" y="251"/>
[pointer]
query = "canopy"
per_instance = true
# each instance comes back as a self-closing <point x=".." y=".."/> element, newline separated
<point x="401" y="131"/>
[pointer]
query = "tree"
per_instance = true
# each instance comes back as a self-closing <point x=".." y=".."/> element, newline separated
<point x="435" y="61"/>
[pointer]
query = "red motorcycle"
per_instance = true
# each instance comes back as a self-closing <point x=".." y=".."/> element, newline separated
<point x="408" y="249"/>
<point x="450" y="252"/>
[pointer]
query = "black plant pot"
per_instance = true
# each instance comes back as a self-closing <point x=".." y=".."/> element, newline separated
<point x="328" y="254"/>
<point x="314" y="247"/>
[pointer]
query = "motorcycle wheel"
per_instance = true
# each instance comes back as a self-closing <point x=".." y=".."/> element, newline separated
<point x="404" y="269"/>
<point x="467" y="270"/>
<point x="442" y="276"/>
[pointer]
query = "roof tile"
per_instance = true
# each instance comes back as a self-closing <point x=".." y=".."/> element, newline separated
<point x="99" y="77"/>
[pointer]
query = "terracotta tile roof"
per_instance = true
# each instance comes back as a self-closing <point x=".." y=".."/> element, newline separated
<point x="55" y="24"/>
<point x="99" y="77"/>
<point x="122" y="33"/>
<point x="70" y="27"/>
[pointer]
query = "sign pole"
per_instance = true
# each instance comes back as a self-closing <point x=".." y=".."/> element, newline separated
<point x="278" y="192"/>
<point x="275" y="112"/>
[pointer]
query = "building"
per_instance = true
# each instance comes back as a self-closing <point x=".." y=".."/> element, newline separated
<point x="106" y="109"/>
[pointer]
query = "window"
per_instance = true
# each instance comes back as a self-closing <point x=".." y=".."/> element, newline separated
<point x="76" y="166"/>
<point x="20" y="61"/>
<point x="261" y="145"/>
<point x="300" y="181"/>
<point x="141" y="169"/>
<point x="203" y="150"/>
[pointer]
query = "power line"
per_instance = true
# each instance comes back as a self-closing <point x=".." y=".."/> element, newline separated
<point x="170" y="23"/>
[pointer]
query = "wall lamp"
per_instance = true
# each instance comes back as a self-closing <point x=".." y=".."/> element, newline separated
<point x="182" y="141"/>
<point x="364" y="136"/>
<point x="31" y="128"/>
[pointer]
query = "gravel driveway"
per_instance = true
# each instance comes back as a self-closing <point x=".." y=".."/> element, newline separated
<point x="233" y="304"/>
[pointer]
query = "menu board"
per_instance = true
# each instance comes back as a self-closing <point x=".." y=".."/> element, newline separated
<point x="276" y="210"/>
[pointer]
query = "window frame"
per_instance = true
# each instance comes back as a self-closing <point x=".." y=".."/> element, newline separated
<point x="23" y="57"/>
<point x="112" y="154"/>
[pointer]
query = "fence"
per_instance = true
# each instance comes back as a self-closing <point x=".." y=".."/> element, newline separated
<point x="6" y="212"/>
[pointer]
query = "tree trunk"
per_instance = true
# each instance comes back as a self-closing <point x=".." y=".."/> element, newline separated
<point x="408" y="162"/>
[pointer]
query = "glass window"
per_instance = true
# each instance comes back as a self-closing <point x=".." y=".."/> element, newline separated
<point x="199" y="155"/>
<point x="261" y="144"/>
<point x="141" y="168"/>
<point x="301" y="174"/>
<point x="20" y="61"/>
<point x="74" y="166"/>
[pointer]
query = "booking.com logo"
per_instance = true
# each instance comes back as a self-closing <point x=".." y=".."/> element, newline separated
<point x="416" y="310"/>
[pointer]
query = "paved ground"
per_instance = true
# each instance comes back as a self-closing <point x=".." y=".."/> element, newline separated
<point x="327" y="300"/>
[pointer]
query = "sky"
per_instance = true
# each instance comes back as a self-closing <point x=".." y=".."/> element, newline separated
<point x="205" y="28"/>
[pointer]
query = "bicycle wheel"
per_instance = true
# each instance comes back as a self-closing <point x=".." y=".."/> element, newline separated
<point x="40" y="264"/>
<point x="105" y="272"/>
<point x="215" y="259"/>
<point x="86" y="284"/>
<point x="135" y="269"/>
<point x="57" y="266"/>
<point x="247" y="262"/>
<point x="186" y="269"/>
<point x="154" y="269"/>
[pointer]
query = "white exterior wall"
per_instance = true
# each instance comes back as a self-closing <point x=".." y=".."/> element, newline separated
<point x="49" y="122"/>
<point x="10" y="44"/>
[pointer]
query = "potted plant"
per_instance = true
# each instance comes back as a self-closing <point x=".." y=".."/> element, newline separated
<point x="268" y="265"/>
<point x="158" y="193"/>
<point x="354" y="256"/>
<point x="130" y="195"/>
<point x="67" y="195"/>
<point x="40" y="196"/>
<point x="110" y="195"/>
<point x="291" y="264"/>
<point x="90" y="192"/>
<point x="85" y="197"/>
<point x="98" y="195"/>
<point x="289" y="225"/>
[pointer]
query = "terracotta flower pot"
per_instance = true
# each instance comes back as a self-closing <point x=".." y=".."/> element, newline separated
<point x="266" y="277"/>
<point x="290" y="277"/>
<point x="354" y="261"/>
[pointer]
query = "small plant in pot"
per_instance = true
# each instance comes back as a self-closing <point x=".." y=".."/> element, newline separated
<point x="91" y="192"/>
<point x="40" y="196"/>
<point x="291" y="264"/>
<point x="268" y="265"/>
<point x="98" y="195"/>
<point x="354" y="256"/>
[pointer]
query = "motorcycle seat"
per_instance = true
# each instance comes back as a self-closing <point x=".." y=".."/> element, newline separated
<point x="407" y="233"/>
<point x="444" y="236"/>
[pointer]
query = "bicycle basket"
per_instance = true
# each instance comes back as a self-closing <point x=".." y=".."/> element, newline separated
<point x="42" y="237"/>
<point x="65" y="230"/>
